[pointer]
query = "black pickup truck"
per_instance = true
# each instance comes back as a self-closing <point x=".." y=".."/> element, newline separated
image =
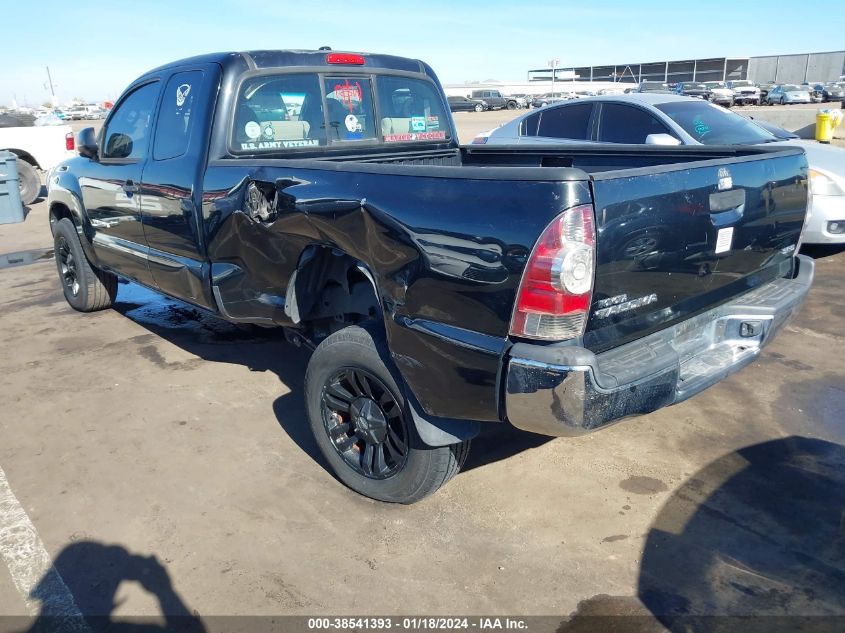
<point x="558" y="289"/>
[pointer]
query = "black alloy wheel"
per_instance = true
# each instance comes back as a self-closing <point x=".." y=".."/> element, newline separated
<point x="67" y="266"/>
<point x="365" y="423"/>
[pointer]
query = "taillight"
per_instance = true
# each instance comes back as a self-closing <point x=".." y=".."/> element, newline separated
<point x="345" y="58"/>
<point x="557" y="286"/>
<point x="70" y="144"/>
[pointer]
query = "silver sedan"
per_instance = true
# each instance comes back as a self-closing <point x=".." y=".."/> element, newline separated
<point x="786" y="94"/>
<point x="662" y="119"/>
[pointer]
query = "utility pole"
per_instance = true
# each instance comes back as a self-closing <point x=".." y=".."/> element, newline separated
<point x="50" y="83"/>
<point x="553" y="64"/>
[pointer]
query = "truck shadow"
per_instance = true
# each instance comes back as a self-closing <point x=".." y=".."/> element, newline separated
<point x="755" y="541"/>
<point x="212" y="339"/>
<point x="87" y="575"/>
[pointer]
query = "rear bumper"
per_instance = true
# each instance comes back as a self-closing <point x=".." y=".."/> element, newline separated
<point x="567" y="390"/>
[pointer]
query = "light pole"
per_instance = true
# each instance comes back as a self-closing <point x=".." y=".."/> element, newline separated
<point x="553" y="64"/>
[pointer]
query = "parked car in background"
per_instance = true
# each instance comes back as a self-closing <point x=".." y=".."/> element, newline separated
<point x="720" y="93"/>
<point x="657" y="119"/>
<point x="654" y="86"/>
<point x="692" y="89"/>
<point x="745" y="92"/>
<point x="786" y="94"/>
<point x="495" y="100"/>
<point x="462" y="104"/>
<point x="816" y="91"/>
<point x="93" y="115"/>
<point x="833" y="91"/>
<point x="37" y="147"/>
<point x="551" y="97"/>
<point x="77" y="114"/>
<point x="522" y="100"/>
<point x="764" y="90"/>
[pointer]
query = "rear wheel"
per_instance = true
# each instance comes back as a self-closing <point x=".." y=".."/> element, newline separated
<point x="360" y="420"/>
<point x="30" y="182"/>
<point x="86" y="288"/>
<point x="479" y="107"/>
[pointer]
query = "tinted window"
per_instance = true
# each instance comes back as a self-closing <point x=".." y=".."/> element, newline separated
<point x="529" y="125"/>
<point x="566" y="122"/>
<point x="712" y="125"/>
<point x="127" y="133"/>
<point x="626" y="124"/>
<point x="173" y="128"/>
<point x="411" y="110"/>
<point x="279" y="112"/>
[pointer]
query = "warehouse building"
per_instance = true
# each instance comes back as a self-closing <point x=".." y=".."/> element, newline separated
<point x="809" y="67"/>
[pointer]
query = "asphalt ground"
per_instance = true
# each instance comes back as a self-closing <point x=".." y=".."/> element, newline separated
<point x="156" y="460"/>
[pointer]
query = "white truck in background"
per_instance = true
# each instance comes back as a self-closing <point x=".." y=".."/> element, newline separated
<point x="37" y="148"/>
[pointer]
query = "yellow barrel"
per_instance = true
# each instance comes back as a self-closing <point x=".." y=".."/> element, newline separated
<point x="824" y="127"/>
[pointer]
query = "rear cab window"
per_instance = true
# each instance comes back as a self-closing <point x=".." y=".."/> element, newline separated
<point x="292" y="112"/>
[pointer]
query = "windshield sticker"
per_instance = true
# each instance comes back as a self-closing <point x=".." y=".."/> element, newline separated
<point x="433" y="122"/>
<point x="418" y="124"/>
<point x="348" y="93"/>
<point x="182" y="94"/>
<point x="417" y="136"/>
<point x="252" y="129"/>
<point x="701" y="128"/>
<point x="312" y="142"/>
<point x="268" y="132"/>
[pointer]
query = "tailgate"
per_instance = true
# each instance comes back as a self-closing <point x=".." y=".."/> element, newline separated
<point x="672" y="242"/>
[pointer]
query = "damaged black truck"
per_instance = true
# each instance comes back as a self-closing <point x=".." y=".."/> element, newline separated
<point x="558" y="289"/>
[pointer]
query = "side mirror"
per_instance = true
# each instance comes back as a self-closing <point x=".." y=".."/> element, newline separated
<point x="661" y="139"/>
<point x="86" y="143"/>
<point x="119" y="146"/>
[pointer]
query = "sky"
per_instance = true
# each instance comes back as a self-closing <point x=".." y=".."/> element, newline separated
<point x="95" y="49"/>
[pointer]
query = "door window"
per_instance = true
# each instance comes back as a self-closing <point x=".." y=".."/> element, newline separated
<point x="127" y="133"/>
<point x="173" y="128"/>
<point x="625" y="124"/>
<point x="571" y="122"/>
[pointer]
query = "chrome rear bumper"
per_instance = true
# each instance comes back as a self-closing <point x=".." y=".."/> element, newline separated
<point x="566" y="390"/>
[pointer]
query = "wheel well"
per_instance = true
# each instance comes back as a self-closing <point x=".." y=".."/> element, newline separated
<point x="58" y="211"/>
<point x="23" y="155"/>
<point x="330" y="291"/>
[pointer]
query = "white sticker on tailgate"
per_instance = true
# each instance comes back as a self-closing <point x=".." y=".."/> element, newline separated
<point x="724" y="239"/>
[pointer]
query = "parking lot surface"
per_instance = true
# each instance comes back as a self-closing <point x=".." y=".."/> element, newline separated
<point x="164" y="463"/>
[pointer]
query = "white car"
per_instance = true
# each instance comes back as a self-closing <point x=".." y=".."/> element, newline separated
<point x="786" y="94"/>
<point x="663" y="119"/>
<point x="745" y="92"/>
<point x="37" y="147"/>
<point x="720" y="93"/>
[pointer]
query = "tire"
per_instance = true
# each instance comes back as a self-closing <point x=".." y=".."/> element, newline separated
<point x="511" y="105"/>
<point x="86" y="289"/>
<point x="479" y="107"/>
<point x="360" y="420"/>
<point x="30" y="182"/>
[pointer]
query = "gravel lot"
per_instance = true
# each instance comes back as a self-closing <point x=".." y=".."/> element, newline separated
<point x="163" y="459"/>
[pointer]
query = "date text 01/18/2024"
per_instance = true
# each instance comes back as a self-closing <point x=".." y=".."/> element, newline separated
<point x="420" y="623"/>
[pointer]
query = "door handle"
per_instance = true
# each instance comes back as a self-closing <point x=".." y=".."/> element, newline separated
<point x="130" y="187"/>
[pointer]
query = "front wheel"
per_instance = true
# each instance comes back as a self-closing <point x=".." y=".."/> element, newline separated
<point x="511" y="105"/>
<point x="479" y="107"/>
<point x="86" y="288"/>
<point x="360" y="420"/>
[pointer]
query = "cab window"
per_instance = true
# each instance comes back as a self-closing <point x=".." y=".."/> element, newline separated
<point x="411" y="110"/>
<point x="349" y="109"/>
<point x="276" y="112"/>
<point x="173" y="128"/>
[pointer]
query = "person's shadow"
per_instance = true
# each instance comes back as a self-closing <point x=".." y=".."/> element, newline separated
<point x="753" y="542"/>
<point x="92" y="572"/>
